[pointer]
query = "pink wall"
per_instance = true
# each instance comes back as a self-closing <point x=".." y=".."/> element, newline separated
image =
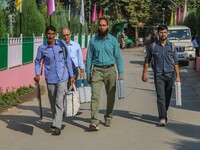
<point x="16" y="77"/>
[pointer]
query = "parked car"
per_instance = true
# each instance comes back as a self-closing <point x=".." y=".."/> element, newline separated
<point x="181" y="37"/>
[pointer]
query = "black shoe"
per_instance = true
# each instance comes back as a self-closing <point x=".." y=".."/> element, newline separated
<point x="53" y="127"/>
<point x="57" y="131"/>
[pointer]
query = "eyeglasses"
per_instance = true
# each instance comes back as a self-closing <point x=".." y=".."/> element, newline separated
<point x="162" y="32"/>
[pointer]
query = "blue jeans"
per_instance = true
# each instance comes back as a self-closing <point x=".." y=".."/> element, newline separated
<point x="164" y="85"/>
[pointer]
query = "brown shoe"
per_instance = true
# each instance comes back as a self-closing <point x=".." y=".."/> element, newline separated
<point x="108" y="123"/>
<point x="93" y="127"/>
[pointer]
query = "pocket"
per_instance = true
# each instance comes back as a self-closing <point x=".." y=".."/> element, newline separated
<point x="61" y="56"/>
<point x="113" y="73"/>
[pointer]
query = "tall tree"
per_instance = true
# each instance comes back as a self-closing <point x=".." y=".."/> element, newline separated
<point x="2" y="21"/>
<point x="32" y="19"/>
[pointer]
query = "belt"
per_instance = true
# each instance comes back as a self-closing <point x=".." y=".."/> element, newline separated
<point x="108" y="66"/>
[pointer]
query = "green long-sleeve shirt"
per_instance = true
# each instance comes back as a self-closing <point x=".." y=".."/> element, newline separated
<point x="103" y="52"/>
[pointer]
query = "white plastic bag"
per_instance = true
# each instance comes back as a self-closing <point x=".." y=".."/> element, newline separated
<point x="178" y="93"/>
<point x="71" y="102"/>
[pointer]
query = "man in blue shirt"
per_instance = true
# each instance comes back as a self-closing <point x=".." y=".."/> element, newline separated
<point x="75" y="52"/>
<point x="103" y="53"/>
<point x="57" y="69"/>
<point x="165" y="60"/>
<point x="196" y="44"/>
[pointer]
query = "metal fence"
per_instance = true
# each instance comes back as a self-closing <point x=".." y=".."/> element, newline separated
<point x="17" y="51"/>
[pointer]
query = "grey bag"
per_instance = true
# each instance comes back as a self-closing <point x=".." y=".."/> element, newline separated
<point x="121" y="89"/>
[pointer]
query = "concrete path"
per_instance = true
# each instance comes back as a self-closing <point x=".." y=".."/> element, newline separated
<point x="134" y="124"/>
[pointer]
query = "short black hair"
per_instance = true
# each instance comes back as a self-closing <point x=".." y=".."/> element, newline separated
<point x="162" y="27"/>
<point x="102" y="18"/>
<point x="50" y="28"/>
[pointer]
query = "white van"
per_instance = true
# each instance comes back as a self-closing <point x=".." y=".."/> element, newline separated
<point x="181" y="37"/>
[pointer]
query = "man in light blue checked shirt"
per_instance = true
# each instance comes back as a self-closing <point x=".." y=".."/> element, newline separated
<point x="75" y="53"/>
<point x="57" y="70"/>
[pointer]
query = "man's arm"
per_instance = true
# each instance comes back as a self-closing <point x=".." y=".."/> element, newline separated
<point x="119" y="61"/>
<point x="178" y="79"/>
<point x="38" y="64"/>
<point x="80" y="61"/>
<point x="144" y="76"/>
<point x="176" y="67"/>
<point x="147" y="60"/>
<point x="89" y="61"/>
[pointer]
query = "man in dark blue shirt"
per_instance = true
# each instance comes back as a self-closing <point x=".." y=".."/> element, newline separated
<point x="165" y="60"/>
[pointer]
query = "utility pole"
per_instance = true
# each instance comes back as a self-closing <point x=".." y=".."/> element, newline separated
<point x="163" y="9"/>
<point x="89" y="12"/>
<point x="69" y="13"/>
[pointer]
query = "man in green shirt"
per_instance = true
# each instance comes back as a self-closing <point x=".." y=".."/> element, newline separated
<point x="103" y="53"/>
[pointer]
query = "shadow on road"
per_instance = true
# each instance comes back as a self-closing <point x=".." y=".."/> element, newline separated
<point x="185" y="145"/>
<point x="180" y="128"/>
<point x="137" y="62"/>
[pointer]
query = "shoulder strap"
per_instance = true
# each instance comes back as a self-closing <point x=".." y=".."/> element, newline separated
<point x="64" y="54"/>
<point x="63" y="48"/>
<point x="153" y="47"/>
<point x="173" y="48"/>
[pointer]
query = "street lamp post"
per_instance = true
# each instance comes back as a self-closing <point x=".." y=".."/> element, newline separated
<point x="69" y="13"/>
<point x="163" y="9"/>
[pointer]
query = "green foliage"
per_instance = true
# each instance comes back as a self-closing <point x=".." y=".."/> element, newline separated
<point x="9" y="99"/>
<point x="2" y="21"/>
<point x="191" y="22"/>
<point x="23" y="90"/>
<point x="32" y="19"/>
<point x="12" y="98"/>
<point x="35" y="19"/>
<point x="198" y="22"/>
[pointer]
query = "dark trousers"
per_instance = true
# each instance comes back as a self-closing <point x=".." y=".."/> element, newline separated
<point x="164" y="85"/>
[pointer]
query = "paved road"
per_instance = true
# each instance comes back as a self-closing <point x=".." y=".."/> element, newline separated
<point x="134" y="124"/>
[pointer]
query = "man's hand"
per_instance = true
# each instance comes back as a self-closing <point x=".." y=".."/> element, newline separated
<point x="121" y="78"/>
<point x="178" y="79"/>
<point x="82" y="74"/>
<point x="37" y="79"/>
<point x="89" y="80"/>
<point x="72" y="80"/>
<point x="144" y="78"/>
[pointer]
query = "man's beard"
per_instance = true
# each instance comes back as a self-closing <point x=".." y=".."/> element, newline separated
<point x="102" y="34"/>
<point x="162" y="39"/>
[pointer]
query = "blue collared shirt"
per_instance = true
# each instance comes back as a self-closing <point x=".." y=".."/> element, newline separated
<point x="56" y="68"/>
<point x="76" y="54"/>
<point x="102" y="52"/>
<point x="163" y="56"/>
